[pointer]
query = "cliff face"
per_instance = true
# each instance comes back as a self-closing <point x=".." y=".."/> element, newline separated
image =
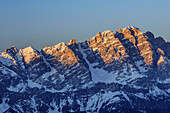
<point x="112" y="72"/>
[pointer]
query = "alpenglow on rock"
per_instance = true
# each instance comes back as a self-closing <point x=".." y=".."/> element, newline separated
<point x="125" y="71"/>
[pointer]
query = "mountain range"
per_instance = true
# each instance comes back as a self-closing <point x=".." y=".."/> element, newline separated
<point x="126" y="72"/>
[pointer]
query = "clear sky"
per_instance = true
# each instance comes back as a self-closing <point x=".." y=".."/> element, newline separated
<point x="40" y="23"/>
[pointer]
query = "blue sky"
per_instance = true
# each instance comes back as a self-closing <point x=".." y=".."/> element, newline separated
<point x="40" y="23"/>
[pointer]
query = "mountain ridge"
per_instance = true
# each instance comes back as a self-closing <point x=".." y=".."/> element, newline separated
<point x="111" y="72"/>
<point x="130" y="30"/>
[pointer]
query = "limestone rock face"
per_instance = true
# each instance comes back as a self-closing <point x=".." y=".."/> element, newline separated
<point x="71" y="42"/>
<point x="34" y="62"/>
<point x="108" y="47"/>
<point x="62" y="54"/>
<point x="126" y="71"/>
<point x="65" y="61"/>
<point x="10" y="53"/>
<point x="11" y="58"/>
<point x="29" y="54"/>
<point x="124" y="43"/>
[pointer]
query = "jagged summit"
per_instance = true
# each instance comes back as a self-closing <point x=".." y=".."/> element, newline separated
<point x="29" y="54"/>
<point x="11" y="49"/>
<point x="71" y="42"/>
<point x="125" y="71"/>
<point x="129" y="31"/>
<point x="29" y="50"/>
<point x="109" y="45"/>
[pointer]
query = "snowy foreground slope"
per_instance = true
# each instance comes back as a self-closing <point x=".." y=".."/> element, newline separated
<point x="127" y="71"/>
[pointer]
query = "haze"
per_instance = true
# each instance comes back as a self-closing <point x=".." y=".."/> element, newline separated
<point x="40" y="23"/>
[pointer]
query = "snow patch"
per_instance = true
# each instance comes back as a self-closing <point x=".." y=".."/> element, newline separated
<point x="6" y="61"/>
<point x="7" y="71"/>
<point x="19" y="107"/>
<point x="56" y="108"/>
<point x="32" y="84"/>
<point x="100" y="75"/>
<point x="168" y="90"/>
<point x="96" y="101"/>
<point x="46" y="75"/>
<point x="34" y="105"/>
<point x="166" y="81"/>
<point x="156" y="91"/>
<point x="140" y="67"/>
<point x="52" y="90"/>
<point x="18" y="88"/>
<point x="4" y="106"/>
<point x="140" y="95"/>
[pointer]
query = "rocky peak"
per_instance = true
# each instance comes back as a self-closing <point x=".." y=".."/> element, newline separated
<point x="128" y="31"/>
<point x="100" y="37"/>
<point x="55" y="49"/>
<point x="60" y="47"/>
<point x="29" y="50"/>
<point x="29" y="54"/>
<point x="135" y="30"/>
<point x="140" y="43"/>
<point x="62" y="54"/>
<point x="108" y="47"/>
<point x="98" y="34"/>
<point x="126" y="42"/>
<point x="125" y="31"/>
<point x="149" y="35"/>
<point x="159" y="41"/>
<point x="72" y="42"/>
<point x="12" y="50"/>
<point x="10" y="53"/>
<point x="107" y="34"/>
<point x="129" y="41"/>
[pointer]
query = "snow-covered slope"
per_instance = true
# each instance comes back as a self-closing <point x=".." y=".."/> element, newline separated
<point x="126" y="71"/>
